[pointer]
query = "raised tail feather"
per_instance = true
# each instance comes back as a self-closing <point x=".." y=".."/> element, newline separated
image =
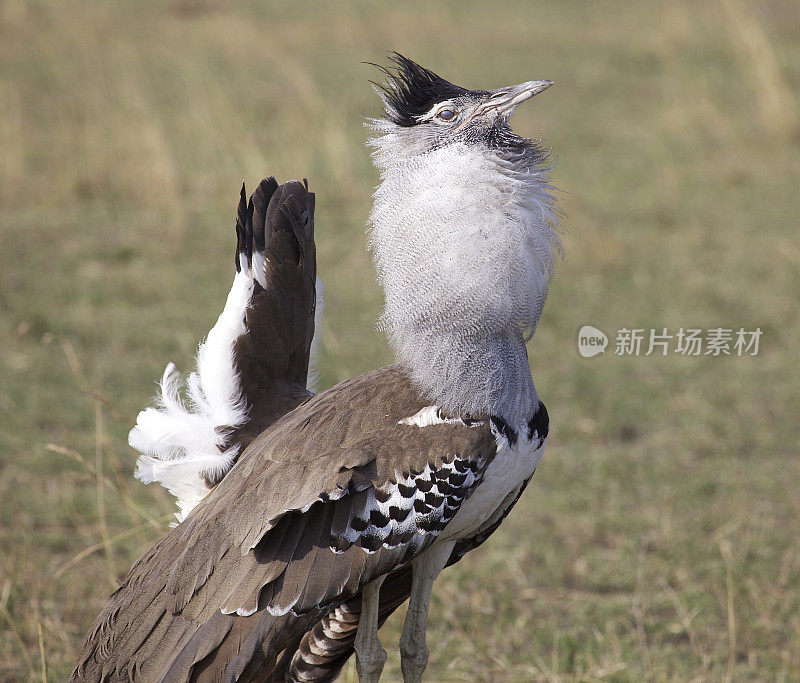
<point x="253" y="366"/>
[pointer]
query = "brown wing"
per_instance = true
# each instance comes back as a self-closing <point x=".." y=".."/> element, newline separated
<point x="333" y="495"/>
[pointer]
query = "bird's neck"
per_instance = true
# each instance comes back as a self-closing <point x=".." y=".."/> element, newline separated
<point x="464" y="242"/>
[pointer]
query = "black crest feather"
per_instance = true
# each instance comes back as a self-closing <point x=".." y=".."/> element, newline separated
<point x="411" y="90"/>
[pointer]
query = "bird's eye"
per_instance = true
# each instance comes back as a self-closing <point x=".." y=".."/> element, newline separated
<point x="447" y="114"/>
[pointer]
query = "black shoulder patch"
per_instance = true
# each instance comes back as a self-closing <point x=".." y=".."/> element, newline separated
<point x="539" y="423"/>
<point x="412" y="90"/>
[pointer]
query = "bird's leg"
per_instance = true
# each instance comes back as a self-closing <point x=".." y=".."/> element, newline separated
<point x="413" y="651"/>
<point x="370" y="656"/>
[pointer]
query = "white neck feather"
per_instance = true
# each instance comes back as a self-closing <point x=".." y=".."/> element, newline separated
<point x="464" y="242"/>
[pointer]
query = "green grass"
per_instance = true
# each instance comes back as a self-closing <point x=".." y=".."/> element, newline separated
<point x="660" y="540"/>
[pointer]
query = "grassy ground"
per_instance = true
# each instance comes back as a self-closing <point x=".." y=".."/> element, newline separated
<point x="660" y="540"/>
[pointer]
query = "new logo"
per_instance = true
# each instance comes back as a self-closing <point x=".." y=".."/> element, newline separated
<point x="591" y="341"/>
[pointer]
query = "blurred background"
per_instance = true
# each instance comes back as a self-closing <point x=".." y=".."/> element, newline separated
<point x="660" y="540"/>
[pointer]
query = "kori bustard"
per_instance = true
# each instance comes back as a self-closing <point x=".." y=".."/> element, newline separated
<point x="306" y="519"/>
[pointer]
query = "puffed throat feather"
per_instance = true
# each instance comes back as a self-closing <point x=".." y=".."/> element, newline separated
<point x="464" y="239"/>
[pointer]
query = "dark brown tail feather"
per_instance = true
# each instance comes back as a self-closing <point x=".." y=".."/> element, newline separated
<point x="271" y="358"/>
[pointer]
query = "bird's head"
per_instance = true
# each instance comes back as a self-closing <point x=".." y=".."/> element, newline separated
<point x="429" y="112"/>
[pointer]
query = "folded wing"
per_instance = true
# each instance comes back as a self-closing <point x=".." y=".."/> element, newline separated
<point x="330" y="497"/>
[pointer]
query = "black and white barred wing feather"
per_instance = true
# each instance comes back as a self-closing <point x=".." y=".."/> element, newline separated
<point x="335" y="495"/>
<point x="253" y="367"/>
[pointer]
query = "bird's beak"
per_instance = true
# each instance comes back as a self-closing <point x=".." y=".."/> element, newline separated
<point x="507" y="99"/>
<point x="504" y="101"/>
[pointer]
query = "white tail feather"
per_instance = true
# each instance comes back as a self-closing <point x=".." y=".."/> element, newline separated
<point x="180" y="444"/>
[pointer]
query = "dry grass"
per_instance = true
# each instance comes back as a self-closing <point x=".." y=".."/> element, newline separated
<point x="660" y="539"/>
